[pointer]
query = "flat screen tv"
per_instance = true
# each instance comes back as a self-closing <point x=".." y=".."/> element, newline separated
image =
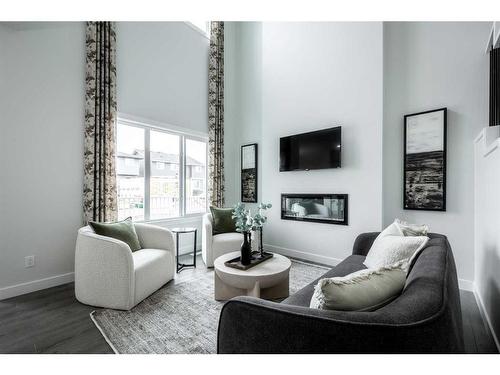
<point x="314" y="150"/>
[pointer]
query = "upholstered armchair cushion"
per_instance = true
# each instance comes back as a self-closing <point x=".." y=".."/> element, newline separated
<point x="153" y="269"/>
<point x="215" y="245"/>
<point x="226" y="243"/>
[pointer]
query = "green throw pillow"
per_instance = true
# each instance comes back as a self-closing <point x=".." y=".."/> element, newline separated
<point x="223" y="221"/>
<point x="121" y="230"/>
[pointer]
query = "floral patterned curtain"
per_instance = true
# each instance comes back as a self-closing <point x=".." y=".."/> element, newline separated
<point x="99" y="183"/>
<point x="216" y="115"/>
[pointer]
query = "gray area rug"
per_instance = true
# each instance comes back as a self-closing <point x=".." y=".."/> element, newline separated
<point x="181" y="317"/>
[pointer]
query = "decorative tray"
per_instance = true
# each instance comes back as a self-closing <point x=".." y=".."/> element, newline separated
<point x="256" y="259"/>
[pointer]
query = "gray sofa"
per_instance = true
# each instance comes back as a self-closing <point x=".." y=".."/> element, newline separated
<point x="425" y="318"/>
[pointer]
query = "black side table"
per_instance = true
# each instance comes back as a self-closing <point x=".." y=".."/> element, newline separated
<point x="177" y="231"/>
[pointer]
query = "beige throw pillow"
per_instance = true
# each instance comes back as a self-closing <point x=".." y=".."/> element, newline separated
<point x="391" y="249"/>
<point x="408" y="229"/>
<point x="365" y="290"/>
<point x="399" y="242"/>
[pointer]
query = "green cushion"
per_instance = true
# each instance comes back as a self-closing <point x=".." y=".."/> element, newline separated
<point x="223" y="221"/>
<point x="121" y="230"/>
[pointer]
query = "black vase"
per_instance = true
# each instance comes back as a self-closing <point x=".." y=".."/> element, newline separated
<point x="246" y="249"/>
<point x="261" y="248"/>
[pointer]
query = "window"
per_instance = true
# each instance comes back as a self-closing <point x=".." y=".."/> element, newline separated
<point x="164" y="187"/>
<point x="196" y="161"/>
<point x="168" y="177"/>
<point x="130" y="171"/>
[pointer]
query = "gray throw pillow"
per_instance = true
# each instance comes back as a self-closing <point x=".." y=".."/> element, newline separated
<point x="120" y="230"/>
<point x="364" y="290"/>
<point x="223" y="221"/>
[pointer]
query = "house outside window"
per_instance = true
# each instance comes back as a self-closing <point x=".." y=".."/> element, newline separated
<point x="161" y="173"/>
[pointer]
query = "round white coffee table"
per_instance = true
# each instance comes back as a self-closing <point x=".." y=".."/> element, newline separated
<point x="268" y="279"/>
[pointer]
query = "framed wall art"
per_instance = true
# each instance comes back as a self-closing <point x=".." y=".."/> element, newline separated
<point x="249" y="173"/>
<point x="425" y="161"/>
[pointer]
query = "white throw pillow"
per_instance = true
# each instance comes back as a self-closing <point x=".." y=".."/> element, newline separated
<point x="391" y="249"/>
<point x="392" y="230"/>
<point x="365" y="290"/>
<point x="412" y="229"/>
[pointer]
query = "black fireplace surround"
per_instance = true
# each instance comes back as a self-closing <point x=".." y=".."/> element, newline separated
<point x="319" y="208"/>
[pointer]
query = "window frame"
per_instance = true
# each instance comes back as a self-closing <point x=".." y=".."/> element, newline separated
<point x="183" y="134"/>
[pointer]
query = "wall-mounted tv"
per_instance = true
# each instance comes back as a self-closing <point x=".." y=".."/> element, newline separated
<point x="314" y="150"/>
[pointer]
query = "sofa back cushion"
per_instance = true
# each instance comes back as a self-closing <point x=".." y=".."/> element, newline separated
<point x="121" y="230"/>
<point x="431" y="284"/>
<point x="222" y="220"/>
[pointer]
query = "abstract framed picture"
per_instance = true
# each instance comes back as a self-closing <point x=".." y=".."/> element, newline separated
<point x="424" y="172"/>
<point x="249" y="173"/>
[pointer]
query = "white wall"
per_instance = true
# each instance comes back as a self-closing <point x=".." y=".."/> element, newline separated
<point x="242" y="101"/>
<point x="41" y="152"/>
<point x="4" y="46"/>
<point x="431" y="65"/>
<point x="315" y="75"/>
<point x="231" y="111"/>
<point x="312" y="76"/>
<point x="4" y="37"/>
<point x="487" y="222"/>
<point x="162" y="75"/>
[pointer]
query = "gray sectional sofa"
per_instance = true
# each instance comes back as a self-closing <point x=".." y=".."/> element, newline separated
<point x="425" y="318"/>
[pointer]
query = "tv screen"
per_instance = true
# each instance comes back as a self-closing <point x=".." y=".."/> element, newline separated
<point x="315" y="150"/>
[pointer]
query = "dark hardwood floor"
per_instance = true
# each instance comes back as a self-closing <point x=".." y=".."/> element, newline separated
<point x="477" y="335"/>
<point x="49" y="321"/>
<point x="52" y="321"/>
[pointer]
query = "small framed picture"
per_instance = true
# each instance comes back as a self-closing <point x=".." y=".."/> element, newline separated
<point x="425" y="161"/>
<point x="249" y="173"/>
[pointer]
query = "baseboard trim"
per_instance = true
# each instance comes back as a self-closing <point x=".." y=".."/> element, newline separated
<point x="33" y="286"/>
<point x="466" y="285"/>
<point x="321" y="259"/>
<point x="485" y="316"/>
<point x="330" y="261"/>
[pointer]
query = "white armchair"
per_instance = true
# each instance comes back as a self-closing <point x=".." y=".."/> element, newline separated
<point x="213" y="246"/>
<point x="108" y="274"/>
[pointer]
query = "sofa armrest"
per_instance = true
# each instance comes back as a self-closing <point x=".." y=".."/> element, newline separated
<point x="104" y="271"/>
<point x="155" y="237"/>
<point x="363" y="243"/>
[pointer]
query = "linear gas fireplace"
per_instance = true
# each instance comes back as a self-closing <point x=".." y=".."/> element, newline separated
<point x="320" y="208"/>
